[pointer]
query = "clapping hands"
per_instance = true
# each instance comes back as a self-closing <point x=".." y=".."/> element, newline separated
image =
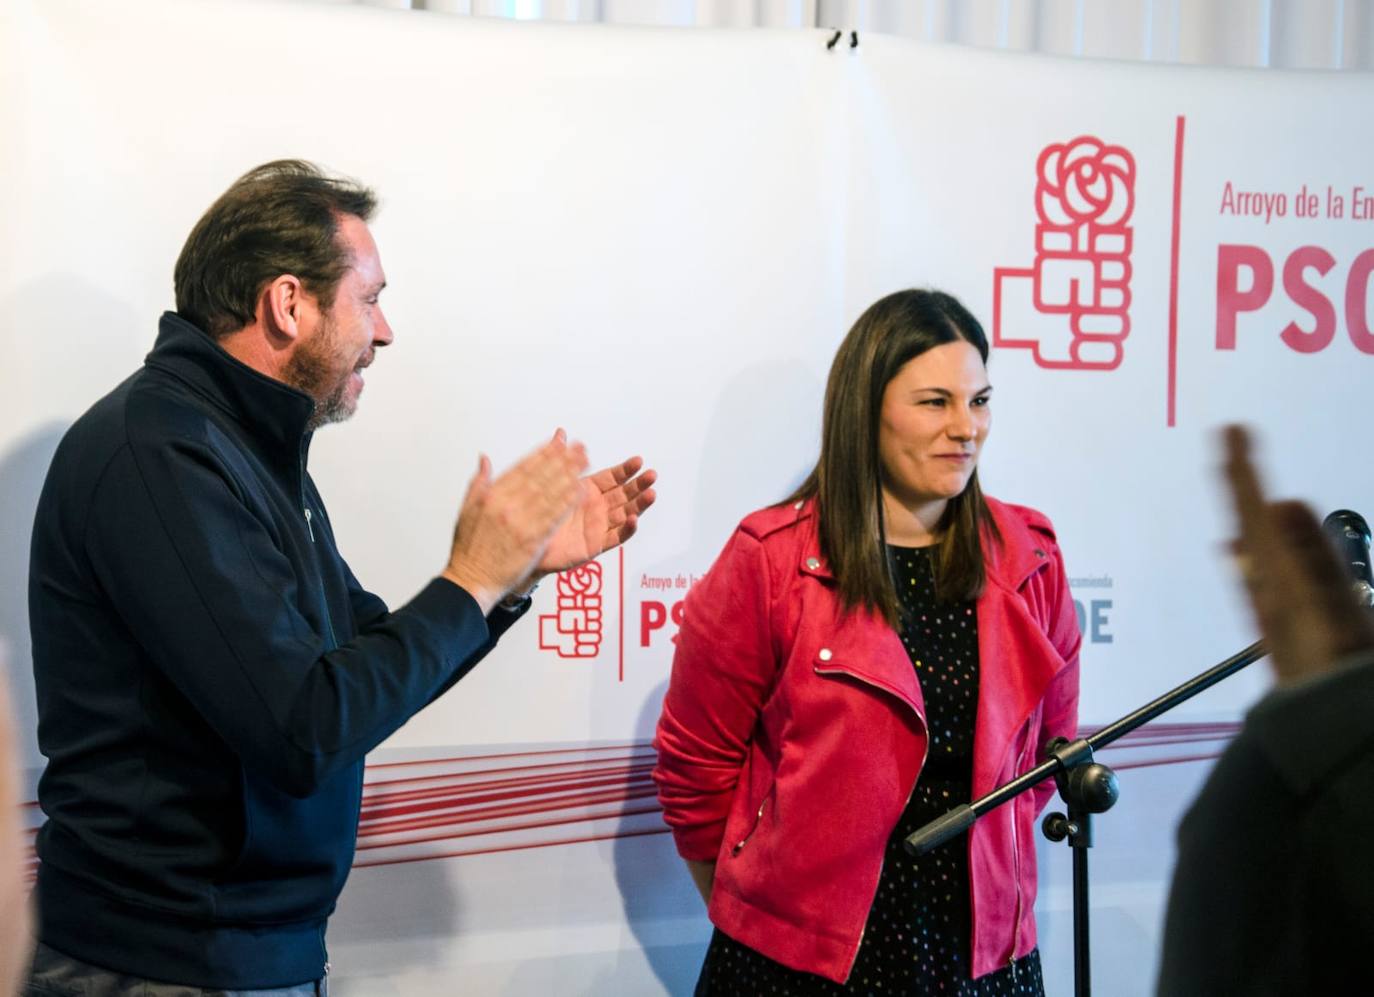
<point x="540" y="517"/>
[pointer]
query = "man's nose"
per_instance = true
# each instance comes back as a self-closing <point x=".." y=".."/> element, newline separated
<point x="381" y="332"/>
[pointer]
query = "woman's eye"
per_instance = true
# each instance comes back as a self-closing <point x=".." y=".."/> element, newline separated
<point x="981" y="401"/>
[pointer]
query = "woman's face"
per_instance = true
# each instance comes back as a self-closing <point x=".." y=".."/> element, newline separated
<point x="934" y="419"/>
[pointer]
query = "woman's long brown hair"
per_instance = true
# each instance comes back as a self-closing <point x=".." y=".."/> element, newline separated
<point x="847" y="479"/>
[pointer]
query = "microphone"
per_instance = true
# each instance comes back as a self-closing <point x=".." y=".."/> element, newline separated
<point x="1350" y="533"/>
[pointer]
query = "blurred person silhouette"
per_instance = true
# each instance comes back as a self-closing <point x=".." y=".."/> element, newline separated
<point x="1273" y="891"/>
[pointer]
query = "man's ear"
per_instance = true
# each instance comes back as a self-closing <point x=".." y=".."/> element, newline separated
<point x="282" y="307"/>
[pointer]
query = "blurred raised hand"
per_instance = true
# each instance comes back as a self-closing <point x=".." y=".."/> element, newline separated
<point x="1300" y="592"/>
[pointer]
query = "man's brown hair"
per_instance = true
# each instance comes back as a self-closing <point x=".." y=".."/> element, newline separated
<point x="278" y="218"/>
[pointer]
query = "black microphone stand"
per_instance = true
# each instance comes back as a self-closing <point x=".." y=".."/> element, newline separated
<point x="1087" y="787"/>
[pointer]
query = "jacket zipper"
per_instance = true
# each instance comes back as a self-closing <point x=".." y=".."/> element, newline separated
<point x="925" y="753"/>
<point x="322" y="987"/>
<point x="324" y="596"/>
<point x="1016" y="872"/>
<point x="1015" y="837"/>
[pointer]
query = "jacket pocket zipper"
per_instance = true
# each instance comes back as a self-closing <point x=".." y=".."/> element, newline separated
<point x="1022" y="766"/>
<point x="324" y="595"/>
<point x="758" y="817"/>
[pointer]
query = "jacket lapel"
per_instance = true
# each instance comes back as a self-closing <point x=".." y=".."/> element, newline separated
<point x="860" y="645"/>
<point x="1016" y="661"/>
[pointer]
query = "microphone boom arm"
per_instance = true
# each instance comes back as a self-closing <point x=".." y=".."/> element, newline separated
<point x="961" y="818"/>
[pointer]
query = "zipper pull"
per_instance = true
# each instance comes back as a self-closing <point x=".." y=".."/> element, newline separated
<point x="739" y="845"/>
<point x="308" y="528"/>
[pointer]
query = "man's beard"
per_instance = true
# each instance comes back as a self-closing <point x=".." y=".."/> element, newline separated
<point x="313" y="369"/>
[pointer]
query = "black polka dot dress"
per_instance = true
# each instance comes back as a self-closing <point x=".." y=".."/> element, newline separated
<point x="917" y="938"/>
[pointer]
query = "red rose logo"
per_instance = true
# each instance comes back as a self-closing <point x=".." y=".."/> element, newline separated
<point x="1085" y="181"/>
<point x="584" y="580"/>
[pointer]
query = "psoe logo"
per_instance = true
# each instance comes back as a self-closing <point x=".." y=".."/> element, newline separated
<point x="1071" y="307"/>
<point x="573" y="629"/>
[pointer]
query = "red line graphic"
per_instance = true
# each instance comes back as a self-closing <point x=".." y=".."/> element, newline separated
<point x="1219" y="731"/>
<point x="399" y="821"/>
<point x="1152" y="762"/>
<point x="510" y="848"/>
<point x="507" y="754"/>
<point x="486" y="802"/>
<point x="439" y="799"/>
<point x="580" y="765"/>
<point x="514" y="827"/>
<point x="1173" y="272"/>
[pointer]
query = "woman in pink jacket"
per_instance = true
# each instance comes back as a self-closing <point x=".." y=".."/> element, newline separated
<point x="884" y="645"/>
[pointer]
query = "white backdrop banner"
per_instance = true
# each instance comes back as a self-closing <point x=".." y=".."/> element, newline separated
<point x="657" y="238"/>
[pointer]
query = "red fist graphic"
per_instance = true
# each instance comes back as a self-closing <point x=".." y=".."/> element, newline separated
<point x="574" y="629"/>
<point x="1071" y="308"/>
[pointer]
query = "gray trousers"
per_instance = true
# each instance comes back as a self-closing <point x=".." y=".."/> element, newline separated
<point x="56" y="975"/>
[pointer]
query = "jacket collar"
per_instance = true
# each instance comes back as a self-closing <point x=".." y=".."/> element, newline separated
<point x="1008" y="564"/>
<point x="1021" y="553"/>
<point x="813" y="562"/>
<point x="273" y="413"/>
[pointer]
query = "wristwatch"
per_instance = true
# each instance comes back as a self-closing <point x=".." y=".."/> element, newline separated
<point x="513" y="602"/>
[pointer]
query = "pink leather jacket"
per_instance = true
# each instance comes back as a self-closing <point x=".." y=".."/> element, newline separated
<point x="792" y="736"/>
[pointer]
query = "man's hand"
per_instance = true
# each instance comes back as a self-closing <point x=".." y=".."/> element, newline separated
<point x="1300" y="592"/>
<point x="506" y="523"/>
<point x="607" y="513"/>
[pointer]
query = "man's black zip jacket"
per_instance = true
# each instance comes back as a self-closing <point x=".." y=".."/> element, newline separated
<point x="210" y="676"/>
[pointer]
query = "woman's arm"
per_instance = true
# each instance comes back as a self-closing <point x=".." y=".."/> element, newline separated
<point x="723" y="670"/>
<point x="704" y="876"/>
